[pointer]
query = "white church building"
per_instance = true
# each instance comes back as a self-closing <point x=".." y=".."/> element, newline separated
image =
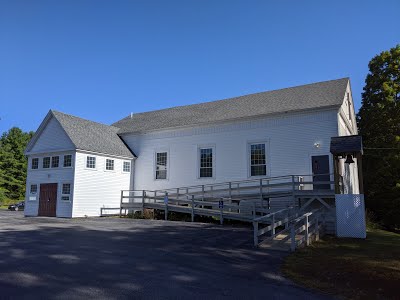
<point x="76" y="166"/>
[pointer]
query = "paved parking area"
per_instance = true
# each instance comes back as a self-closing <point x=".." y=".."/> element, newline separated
<point x="112" y="258"/>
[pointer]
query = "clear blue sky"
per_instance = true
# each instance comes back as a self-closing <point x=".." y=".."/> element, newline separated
<point x="101" y="60"/>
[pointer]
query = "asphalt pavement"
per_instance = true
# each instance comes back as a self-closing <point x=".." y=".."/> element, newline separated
<point x="112" y="258"/>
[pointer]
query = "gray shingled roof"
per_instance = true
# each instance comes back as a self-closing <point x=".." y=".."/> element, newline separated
<point x="346" y="144"/>
<point x="305" y="97"/>
<point x="92" y="136"/>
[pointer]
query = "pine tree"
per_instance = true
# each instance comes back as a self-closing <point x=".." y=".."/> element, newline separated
<point x="379" y="124"/>
<point x="13" y="163"/>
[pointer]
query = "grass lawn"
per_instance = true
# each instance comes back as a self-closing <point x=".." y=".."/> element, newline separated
<point x="352" y="268"/>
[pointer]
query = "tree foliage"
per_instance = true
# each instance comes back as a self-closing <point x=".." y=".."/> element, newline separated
<point x="379" y="124"/>
<point x="13" y="163"/>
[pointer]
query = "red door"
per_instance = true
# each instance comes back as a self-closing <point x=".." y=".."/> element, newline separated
<point x="48" y="199"/>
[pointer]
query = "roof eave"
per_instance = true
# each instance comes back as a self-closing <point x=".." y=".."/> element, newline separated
<point x="335" y="106"/>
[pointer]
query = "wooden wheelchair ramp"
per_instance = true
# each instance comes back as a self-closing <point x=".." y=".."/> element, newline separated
<point x="287" y="212"/>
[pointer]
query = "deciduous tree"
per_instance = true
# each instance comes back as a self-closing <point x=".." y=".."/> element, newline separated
<point x="379" y="124"/>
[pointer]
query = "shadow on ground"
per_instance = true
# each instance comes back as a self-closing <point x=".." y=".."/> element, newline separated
<point x="117" y="259"/>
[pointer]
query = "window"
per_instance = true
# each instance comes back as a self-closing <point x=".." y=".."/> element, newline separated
<point x="258" y="166"/>
<point x="161" y="165"/>
<point x="67" y="161"/>
<point x="46" y="162"/>
<point x="109" y="164"/>
<point x="126" y="167"/>
<point x="91" y="162"/>
<point x="35" y="163"/>
<point x="33" y="189"/>
<point x="66" y="191"/>
<point x="206" y="162"/>
<point x="55" y="160"/>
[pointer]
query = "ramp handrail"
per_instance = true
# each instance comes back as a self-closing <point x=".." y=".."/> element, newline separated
<point x="312" y="227"/>
<point x="234" y="189"/>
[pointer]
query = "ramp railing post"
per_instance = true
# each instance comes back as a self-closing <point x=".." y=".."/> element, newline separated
<point x="255" y="226"/>
<point x="317" y="228"/>
<point x="306" y="236"/>
<point x="292" y="238"/>
<point x="287" y="218"/>
<point x="192" y="208"/>
<point x="221" y="209"/>
<point x="202" y="195"/>
<point x="261" y="191"/>
<point x="273" y="225"/>
<point x="166" y="206"/>
<point x="120" y="206"/>
<point x="143" y="199"/>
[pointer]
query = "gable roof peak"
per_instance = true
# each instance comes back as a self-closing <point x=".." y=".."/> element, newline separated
<point x="87" y="135"/>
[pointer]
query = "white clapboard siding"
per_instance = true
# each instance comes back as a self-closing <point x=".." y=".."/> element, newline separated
<point x="98" y="188"/>
<point x="290" y="142"/>
<point x="52" y="175"/>
<point x="347" y="126"/>
<point x="52" y="138"/>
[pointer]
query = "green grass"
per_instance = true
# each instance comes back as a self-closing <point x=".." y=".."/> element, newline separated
<point x="352" y="268"/>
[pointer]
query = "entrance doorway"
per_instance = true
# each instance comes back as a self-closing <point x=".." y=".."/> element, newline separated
<point x="48" y="200"/>
<point x="320" y="170"/>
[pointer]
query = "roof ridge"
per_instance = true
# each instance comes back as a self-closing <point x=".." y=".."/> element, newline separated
<point x="236" y="97"/>
<point x="87" y="120"/>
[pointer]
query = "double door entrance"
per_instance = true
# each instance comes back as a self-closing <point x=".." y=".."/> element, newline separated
<point x="48" y="200"/>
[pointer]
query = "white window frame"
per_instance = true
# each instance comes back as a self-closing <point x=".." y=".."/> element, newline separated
<point x="64" y="161"/>
<point x="95" y="162"/>
<point x="199" y="147"/>
<point x="105" y="165"/>
<point x="66" y="195"/>
<point x="130" y="166"/>
<point x="51" y="162"/>
<point x="49" y="157"/>
<point x="30" y="194"/>
<point x="267" y="164"/>
<point x="167" y="166"/>
<point x="38" y="160"/>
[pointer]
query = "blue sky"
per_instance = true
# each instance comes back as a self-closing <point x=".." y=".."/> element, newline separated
<point x="101" y="60"/>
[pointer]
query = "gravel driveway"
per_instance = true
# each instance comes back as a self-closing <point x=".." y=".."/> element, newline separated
<point x="112" y="258"/>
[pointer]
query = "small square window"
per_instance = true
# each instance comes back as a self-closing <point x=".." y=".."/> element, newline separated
<point x="33" y="189"/>
<point x="46" y="162"/>
<point x="55" y="160"/>
<point x="35" y="163"/>
<point x="67" y="161"/>
<point x="65" y="191"/>
<point x="126" y="166"/>
<point x="109" y="164"/>
<point x="91" y="162"/>
<point x="66" y="188"/>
